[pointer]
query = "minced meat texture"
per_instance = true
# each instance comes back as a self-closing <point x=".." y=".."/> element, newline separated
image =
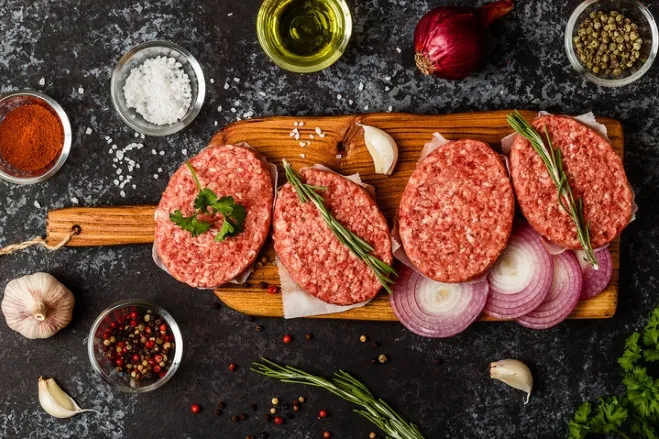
<point x="456" y="213"/>
<point x="319" y="263"/>
<point x="228" y="171"/>
<point x="595" y="173"/>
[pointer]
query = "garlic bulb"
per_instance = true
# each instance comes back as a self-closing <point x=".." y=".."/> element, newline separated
<point x="37" y="305"/>
<point x="514" y="373"/>
<point x="55" y="401"/>
<point x="382" y="147"/>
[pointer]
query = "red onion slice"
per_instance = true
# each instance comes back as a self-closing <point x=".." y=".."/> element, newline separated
<point x="595" y="281"/>
<point x="520" y="279"/>
<point x="434" y="309"/>
<point x="563" y="295"/>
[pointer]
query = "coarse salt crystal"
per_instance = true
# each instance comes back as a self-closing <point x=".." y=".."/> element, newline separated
<point x="398" y="50"/>
<point x="134" y="186"/>
<point x="301" y="123"/>
<point x="318" y="130"/>
<point x="296" y="123"/>
<point x="262" y="93"/>
<point x="184" y="151"/>
<point x="37" y="205"/>
<point x="116" y="182"/>
<point x="311" y="136"/>
<point x="297" y="137"/>
<point x="42" y="82"/>
<point x="137" y="134"/>
<point x="226" y="86"/>
<point x="237" y="103"/>
<point x="338" y="156"/>
<point x="387" y="78"/>
<point x="155" y="176"/>
<point x="109" y="139"/>
<point x="154" y="152"/>
<point x="119" y="171"/>
<point x="295" y="131"/>
<point x="291" y="134"/>
<point x="123" y="194"/>
<point x="159" y="169"/>
<point x="229" y="14"/>
<point x="120" y="155"/>
<point x="121" y="177"/>
<point x="322" y="135"/>
<point x="387" y="89"/>
<point x="349" y="101"/>
<point x="339" y="97"/>
<point x="81" y="90"/>
<point x="390" y="109"/>
<point x="219" y="108"/>
<point x="233" y="110"/>
<point x="74" y="200"/>
<point x="236" y="79"/>
<point x="88" y="131"/>
<point x="361" y="86"/>
<point x="248" y="114"/>
<point x="302" y="144"/>
<point x="162" y="152"/>
<point x="303" y="156"/>
<point x="365" y="107"/>
<point x="212" y="81"/>
<point x="215" y="123"/>
<point x="308" y="143"/>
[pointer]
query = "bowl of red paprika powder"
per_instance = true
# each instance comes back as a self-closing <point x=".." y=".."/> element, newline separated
<point x="35" y="137"/>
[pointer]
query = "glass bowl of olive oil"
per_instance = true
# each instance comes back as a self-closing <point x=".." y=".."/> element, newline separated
<point x="304" y="36"/>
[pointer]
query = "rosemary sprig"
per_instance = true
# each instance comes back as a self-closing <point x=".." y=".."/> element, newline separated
<point x="355" y="244"/>
<point x="553" y="160"/>
<point x="347" y="387"/>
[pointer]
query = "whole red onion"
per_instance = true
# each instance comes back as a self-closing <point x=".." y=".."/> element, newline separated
<point x="449" y="40"/>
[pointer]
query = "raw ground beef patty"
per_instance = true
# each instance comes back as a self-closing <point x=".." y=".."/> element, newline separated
<point x="456" y="213"/>
<point x="595" y="174"/>
<point x="228" y="171"/>
<point x="317" y="261"/>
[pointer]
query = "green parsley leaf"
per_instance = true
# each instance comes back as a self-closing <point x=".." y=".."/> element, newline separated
<point x="578" y="426"/>
<point x="205" y="199"/>
<point x="611" y="415"/>
<point x="642" y="392"/>
<point x="225" y="205"/>
<point x="189" y="223"/>
<point x="233" y="224"/>
<point x="632" y="353"/>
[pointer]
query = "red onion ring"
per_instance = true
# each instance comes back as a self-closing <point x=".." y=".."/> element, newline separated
<point x="434" y="309"/>
<point x="521" y="278"/>
<point x="595" y="281"/>
<point x="563" y="295"/>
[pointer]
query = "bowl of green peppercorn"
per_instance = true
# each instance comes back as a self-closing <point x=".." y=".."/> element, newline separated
<point x="611" y="42"/>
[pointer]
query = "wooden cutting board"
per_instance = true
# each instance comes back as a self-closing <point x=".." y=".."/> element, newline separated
<point x="342" y="149"/>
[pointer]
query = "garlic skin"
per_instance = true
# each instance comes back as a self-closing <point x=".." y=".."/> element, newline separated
<point x="382" y="147"/>
<point x="55" y="401"/>
<point x="514" y="373"/>
<point x="37" y="305"/>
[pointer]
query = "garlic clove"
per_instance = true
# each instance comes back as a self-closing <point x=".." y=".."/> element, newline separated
<point x="382" y="148"/>
<point x="55" y="401"/>
<point x="514" y="373"/>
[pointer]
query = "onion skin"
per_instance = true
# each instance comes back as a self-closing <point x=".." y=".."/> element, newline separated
<point x="449" y="40"/>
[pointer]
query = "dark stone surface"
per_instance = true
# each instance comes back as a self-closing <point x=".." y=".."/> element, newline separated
<point x="76" y="44"/>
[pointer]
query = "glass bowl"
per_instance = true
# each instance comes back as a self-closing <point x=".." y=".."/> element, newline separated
<point x="647" y="30"/>
<point x="101" y="364"/>
<point x="134" y="58"/>
<point x="11" y="101"/>
<point x="266" y="24"/>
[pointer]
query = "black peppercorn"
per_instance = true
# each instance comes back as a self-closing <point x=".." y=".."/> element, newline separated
<point x="234" y="418"/>
<point x="308" y="337"/>
<point x="218" y="412"/>
<point x="259" y="328"/>
<point x="249" y="436"/>
<point x="221" y="405"/>
<point x="254" y="407"/>
<point x="296" y="408"/>
<point x="243" y="416"/>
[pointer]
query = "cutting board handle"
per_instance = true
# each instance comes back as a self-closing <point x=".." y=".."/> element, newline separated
<point x="102" y="225"/>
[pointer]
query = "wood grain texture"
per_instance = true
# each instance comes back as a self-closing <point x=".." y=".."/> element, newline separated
<point x="342" y="149"/>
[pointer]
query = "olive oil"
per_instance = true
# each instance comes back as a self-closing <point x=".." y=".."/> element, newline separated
<point x="304" y="35"/>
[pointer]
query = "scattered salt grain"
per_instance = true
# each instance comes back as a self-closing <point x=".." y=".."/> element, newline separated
<point x="296" y="123"/>
<point x="212" y="81"/>
<point x="137" y="134"/>
<point x="229" y="14"/>
<point x="37" y="205"/>
<point x="349" y="101"/>
<point x="297" y="137"/>
<point x="215" y="123"/>
<point x="154" y="152"/>
<point x="301" y="123"/>
<point x="318" y="130"/>
<point x="233" y="110"/>
<point x="365" y="107"/>
<point x="262" y="93"/>
<point x="119" y="171"/>
<point x="134" y="186"/>
<point x="162" y="152"/>
<point x="184" y="151"/>
<point x="236" y="79"/>
<point x="387" y="78"/>
<point x="339" y="97"/>
<point x="116" y="182"/>
<point x="387" y="89"/>
<point x="123" y="194"/>
<point x="398" y="50"/>
<point x="226" y="85"/>
<point x="361" y="86"/>
<point x="303" y="144"/>
<point x="322" y="135"/>
<point x="304" y="156"/>
<point x="308" y="143"/>
<point x="81" y="90"/>
<point x="109" y="139"/>
<point x="390" y="109"/>
<point x="248" y="114"/>
<point x="338" y="156"/>
<point x="74" y="200"/>
<point x="311" y="136"/>
<point x="88" y="131"/>
<point x="42" y="82"/>
<point x="219" y="108"/>
<point x="159" y="90"/>
<point x="159" y="169"/>
<point x="155" y="176"/>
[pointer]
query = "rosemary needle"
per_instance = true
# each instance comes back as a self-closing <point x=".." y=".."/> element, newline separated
<point x="355" y="244"/>
<point x="552" y="158"/>
<point x="347" y="387"/>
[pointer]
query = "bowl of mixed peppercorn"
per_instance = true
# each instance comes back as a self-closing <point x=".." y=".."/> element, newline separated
<point x="135" y="345"/>
<point x="611" y="42"/>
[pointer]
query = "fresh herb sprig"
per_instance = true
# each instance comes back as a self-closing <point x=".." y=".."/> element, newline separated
<point x="207" y="203"/>
<point x="355" y="244"/>
<point x="553" y="160"/>
<point x="347" y="387"/>
<point x="636" y="414"/>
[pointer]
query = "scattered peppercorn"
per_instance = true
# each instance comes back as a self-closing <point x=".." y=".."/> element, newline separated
<point x="267" y="417"/>
<point x="259" y="328"/>
<point x="243" y="416"/>
<point x="382" y="358"/>
<point x="363" y="338"/>
<point x="286" y="338"/>
<point x="322" y="414"/>
<point x="275" y="401"/>
<point x="221" y="404"/>
<point x="374" y="360"/>
<point x="232" y="367"/>
<point x="279" y="420"/>
<point x="218" y="412"/>
<point x="327" y="434"/>
<point x="309" y="337"/>
<point x="372" y="435"/>
<point x="254" y="407"/>
<point x="234" y="418"/>
<point x="273" y="289"/>
<point x="273" y="411"/>
<point x="249" y="436"/>
<point x="301" y="399"/>
<point x="608" y="43"/>
<point x="195" y="408"/>
<point x="296" y="408"/>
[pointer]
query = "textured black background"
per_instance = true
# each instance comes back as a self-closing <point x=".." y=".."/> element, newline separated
<point x="440" y="384"/>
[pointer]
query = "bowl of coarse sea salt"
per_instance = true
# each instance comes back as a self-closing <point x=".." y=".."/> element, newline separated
<point x="158" y="88"/>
